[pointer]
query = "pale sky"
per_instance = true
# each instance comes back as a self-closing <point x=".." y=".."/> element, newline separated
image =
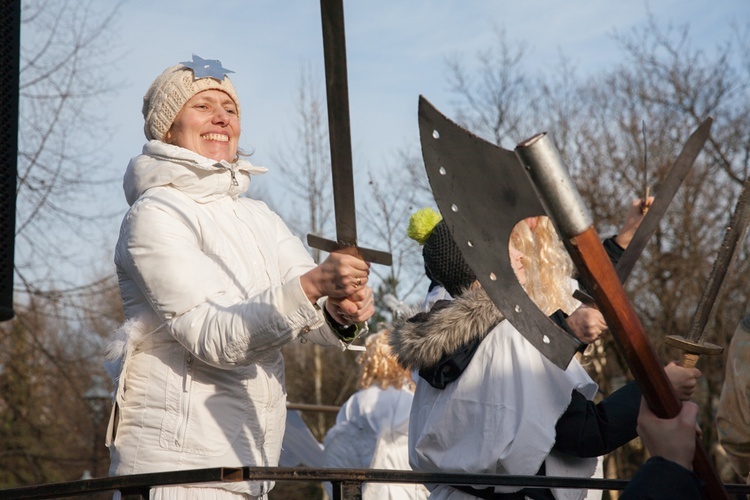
<point x="396" y="50"/>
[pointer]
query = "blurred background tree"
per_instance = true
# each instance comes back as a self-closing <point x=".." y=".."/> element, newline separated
<point x="51" y="353"/>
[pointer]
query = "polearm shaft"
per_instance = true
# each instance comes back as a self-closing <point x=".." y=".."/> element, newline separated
<point x="337" y="94"/>
<point x="575" y="226"/>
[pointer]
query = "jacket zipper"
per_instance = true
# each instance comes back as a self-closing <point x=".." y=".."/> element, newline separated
<point x="185" y="401"/>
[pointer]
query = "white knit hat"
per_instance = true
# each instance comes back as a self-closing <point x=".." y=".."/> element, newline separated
<point x="172" y="89"/>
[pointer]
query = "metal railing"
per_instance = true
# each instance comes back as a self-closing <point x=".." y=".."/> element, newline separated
<point x="347" y="483"/>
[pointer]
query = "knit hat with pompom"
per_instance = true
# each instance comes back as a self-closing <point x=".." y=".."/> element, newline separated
<point x="169" y="93"/>
<point x="443" y="261"/>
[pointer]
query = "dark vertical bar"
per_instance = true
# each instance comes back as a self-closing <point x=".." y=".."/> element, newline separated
<point x="10" y="50"/>
<point x="347" y="490"/>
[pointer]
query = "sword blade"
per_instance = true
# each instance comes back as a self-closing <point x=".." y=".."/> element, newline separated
<point x="667" y="190"/>
<point x="337" y="94"/>
<point x="339" y="133"/>
<point x="733" y="238"/>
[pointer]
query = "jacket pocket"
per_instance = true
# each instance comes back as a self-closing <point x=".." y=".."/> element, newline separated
<point x="205" y="408"/>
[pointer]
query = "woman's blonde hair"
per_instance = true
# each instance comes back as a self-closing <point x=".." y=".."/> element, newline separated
<point x="379" y="366"/>
<point x="547" y="264"/>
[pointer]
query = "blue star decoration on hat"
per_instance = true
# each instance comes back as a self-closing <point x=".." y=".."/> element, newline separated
<point x="207" y="68"/>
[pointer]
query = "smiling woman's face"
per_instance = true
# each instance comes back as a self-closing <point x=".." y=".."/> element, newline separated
<point x="208" y="125"/>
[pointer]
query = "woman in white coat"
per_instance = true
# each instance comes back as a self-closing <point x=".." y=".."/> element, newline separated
<point x="213" y="284"/>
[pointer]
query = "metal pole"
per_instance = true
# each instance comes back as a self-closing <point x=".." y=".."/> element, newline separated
<point x="10" y="49"/>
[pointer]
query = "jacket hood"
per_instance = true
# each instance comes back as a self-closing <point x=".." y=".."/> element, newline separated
<point x="201" y="178"/>
<point x="421" y="341"/>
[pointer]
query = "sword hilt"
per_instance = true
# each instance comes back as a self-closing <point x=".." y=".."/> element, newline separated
<point x="366" y="254"/>
<point x="692" y="350"/>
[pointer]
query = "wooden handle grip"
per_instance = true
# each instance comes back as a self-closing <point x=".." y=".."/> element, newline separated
<point x="689" y="360"/>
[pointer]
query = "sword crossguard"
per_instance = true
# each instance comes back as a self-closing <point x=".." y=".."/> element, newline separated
<point x="366" y="254"/>
<point x="584" y="298"/>
<point x="692" y="350"/>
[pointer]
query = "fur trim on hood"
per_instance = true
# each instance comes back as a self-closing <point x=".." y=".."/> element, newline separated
<point x="421" y="341"/>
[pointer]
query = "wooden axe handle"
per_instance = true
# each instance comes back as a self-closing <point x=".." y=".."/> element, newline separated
<point x="592" y="262"/>
<point x="563" y="202"/>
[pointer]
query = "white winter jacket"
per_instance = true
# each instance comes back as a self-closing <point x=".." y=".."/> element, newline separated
<point x="500" y="415"/>
<point x="211" y="291"/>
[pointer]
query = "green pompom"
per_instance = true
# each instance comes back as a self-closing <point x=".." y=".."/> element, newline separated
<point x="421" y="224"/>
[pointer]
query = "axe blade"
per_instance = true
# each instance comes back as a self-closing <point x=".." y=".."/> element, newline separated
<point x="482" y="192"/>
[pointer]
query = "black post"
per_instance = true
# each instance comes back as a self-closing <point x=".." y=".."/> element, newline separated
<point x="10" y="49"/>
